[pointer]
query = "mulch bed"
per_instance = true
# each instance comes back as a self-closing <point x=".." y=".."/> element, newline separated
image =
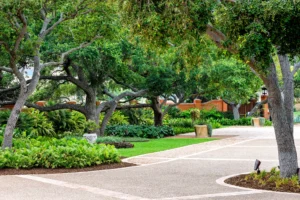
<point x="252" y="183"/>
<point x="63" y="170"/>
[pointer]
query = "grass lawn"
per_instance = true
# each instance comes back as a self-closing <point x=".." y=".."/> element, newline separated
<point x="156" y="145"/>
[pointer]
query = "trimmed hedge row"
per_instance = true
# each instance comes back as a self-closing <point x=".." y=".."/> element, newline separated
<point x="56" y="153"/>
<point x="142" y="131"/>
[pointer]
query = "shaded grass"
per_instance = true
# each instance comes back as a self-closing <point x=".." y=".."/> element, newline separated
<point x="155" y="145"/>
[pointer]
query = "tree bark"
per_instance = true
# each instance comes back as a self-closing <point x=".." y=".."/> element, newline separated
<point x="25" y="91"/>
<point x="280" y="106"/>
<point x="281" y="111"/>
<point x="235" y="110"/>
<point x="256" y="107"/>
<point x="158" y="115"/>
<point x="108" y="114"/>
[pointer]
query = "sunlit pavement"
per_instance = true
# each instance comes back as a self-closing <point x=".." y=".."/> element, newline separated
<point x="192" y="172"/>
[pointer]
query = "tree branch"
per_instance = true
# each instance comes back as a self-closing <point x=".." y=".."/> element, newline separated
<point x="256" y="107"/>
<point x="22" y="32"/>
<point x="105" y="91"/>
<point x="57" y="107"/>
<point x="6" y="69"/>
<point x="13" y="88"/>
<point x="45" y="31"/>
<point x="70" y="79"/>
<point x="63" y="55"/>
<point x="133" y="106"/>
<point x="123" y="84"/>
<point x="218" y="37"/>
<point x="296" y="67"/>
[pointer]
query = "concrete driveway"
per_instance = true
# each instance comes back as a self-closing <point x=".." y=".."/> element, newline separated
<point x="192" y="172"/>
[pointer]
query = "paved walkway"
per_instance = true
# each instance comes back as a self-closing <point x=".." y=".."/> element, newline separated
<point x="187" y="173"/>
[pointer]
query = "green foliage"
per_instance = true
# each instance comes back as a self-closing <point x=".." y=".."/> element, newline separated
<point x="118" y="118"/>
<point x="211" y="114"/>
<point x="114" y="139"/>
<point x="232" y="122"/>
<point x="90" y="126"/>
<point x="255" y="26"/>
<point x="180" y="122"/>
<point x="62" y="120"/>
<point x="109" y="139"/>
<point x="273" y="177"/>
<point x="180" y="130"/>
<point x="139" y="116"/>
<point x="185" y="114"/>
<point x="174" y="112"/>
<point x="31" y="123"/>
<point x="166" y="20"/>
<point x="142" y="131"/>
<point x="195" y="114"/>
<point x="56" y="153"/>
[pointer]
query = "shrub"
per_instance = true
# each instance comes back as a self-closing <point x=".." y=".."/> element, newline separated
<point x="214" y="123"/>
<point x="142" y="131"/>
<point x="139" y="116"/>
<point x="118" y="118"/>
<point x="174" y="112"/>
<point x="179" y="122"/>
<point x="65" y="121"/>
<point x="56" y="153"/>
<point x="268" y="123"/>
<point x="211" y="114"/>
<point x="118" y="142"/>
<point x="179" y="130"/>
<point x="195" y="114"/>
<point x="120" y="139"/>
<point x="185" y="114"/>
<point x="232" y="122"/>
<point x="31" y="123"/>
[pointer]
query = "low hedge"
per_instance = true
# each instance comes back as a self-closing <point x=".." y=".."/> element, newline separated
<point x="142" y="131"/>
<point x="56" y="153"/>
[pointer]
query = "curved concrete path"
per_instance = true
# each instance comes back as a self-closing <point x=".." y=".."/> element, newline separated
<point x="192" y="172"/>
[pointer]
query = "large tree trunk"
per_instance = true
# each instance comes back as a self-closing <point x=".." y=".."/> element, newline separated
<point x="25" y="91"/>
<point x="158" y="115"/>
<point x="281" y="109"/>
<point x="90" y="107"/>
<point x="235" y="110"/>
<point x="108" y="114"/>
<point x="12" y="121"/>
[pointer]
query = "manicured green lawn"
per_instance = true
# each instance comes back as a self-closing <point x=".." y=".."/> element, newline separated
<point x="156" y="145"/>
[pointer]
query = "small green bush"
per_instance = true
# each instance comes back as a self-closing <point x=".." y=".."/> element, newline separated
<point x="139" y="116"/>
<point x="118" y="118"/>
<point x="268" y="123"/>
<point x="108" y="139"/>
<point x="211" y="114"/>
<point x="232" y="122"/>
<point x="185" y="114"/>
<point x="179" y="122"/>
<point x="174" y="112"/>
<point x="142" y="131"/>
<point x="56" y="153"/>
<point x="179" y="130"/>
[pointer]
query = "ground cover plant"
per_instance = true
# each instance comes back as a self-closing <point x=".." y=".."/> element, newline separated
<point x="155" y="145"/>
<point x="142" y="131"/>
<point x="118" y="142"/>
<point x="45" y="152"/>
<point x="267" y="181"/>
